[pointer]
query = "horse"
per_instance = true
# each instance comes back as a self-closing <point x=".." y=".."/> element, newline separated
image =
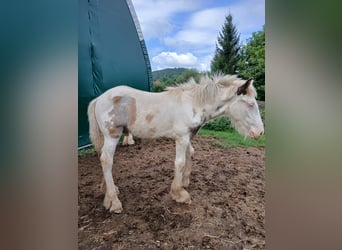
<point x="177" y="113"/>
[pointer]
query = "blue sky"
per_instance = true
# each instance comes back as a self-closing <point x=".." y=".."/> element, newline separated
<point x="183" y="33"/>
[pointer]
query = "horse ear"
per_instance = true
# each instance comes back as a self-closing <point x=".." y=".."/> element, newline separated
<point x="242" y="90"/>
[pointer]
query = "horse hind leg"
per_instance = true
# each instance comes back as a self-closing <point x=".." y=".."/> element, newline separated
<point x="187" y="169"/>
<point x="178" y="193"/>
<point x="111" y="200"/>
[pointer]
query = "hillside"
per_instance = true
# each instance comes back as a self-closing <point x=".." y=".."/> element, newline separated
<point x="166" y="73"/>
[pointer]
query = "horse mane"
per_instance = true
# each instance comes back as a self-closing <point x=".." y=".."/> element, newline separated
<point x="209" y="87"/>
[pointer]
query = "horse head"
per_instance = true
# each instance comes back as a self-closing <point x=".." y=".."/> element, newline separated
<point x="243" y="111"/>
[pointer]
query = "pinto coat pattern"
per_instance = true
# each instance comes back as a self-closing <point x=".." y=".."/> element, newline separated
<point x="177" y="113"/>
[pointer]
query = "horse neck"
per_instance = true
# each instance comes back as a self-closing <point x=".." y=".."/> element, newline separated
<point x="211" y="111"/>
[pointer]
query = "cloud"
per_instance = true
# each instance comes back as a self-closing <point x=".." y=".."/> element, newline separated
<point x="209" y="19"/>
<point x="196" y="36"/>
<point x="190" y="37"/>
<point x="155" y="16"/>
<point x="172" y="59"/>
<point x="190" y="28"/>
<point x="203" y="26"/>
<point x="204" y="63"/>
<point x="187" y="60"/>
<point x="248" y="16"/>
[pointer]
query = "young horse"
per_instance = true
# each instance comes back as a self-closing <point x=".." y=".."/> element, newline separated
<point x="176" y="113"/>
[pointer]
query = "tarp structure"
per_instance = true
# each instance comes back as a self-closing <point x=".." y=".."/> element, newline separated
<point x="111" y="52"/>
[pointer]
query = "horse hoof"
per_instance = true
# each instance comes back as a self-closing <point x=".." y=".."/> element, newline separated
<point x="182" y="196"/>
<point x="116" y="210"/>
<point x="116" y="207"/>
<point x="184" y="200"/>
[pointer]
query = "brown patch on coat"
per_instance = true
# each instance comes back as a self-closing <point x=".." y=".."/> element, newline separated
<point x="132" y="112"/>
<point x="149" y="117"/>
<point x="152" y="130"/>
<point x="113" y="131"/>
<point x="123" y="115"/>
<point x="117" y="99"/>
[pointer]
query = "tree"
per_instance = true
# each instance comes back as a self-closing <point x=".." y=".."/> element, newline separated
<point x="187" y="74"/>
<point x="227" y="49"/>
<point x="159" y="86"/>
<point x="252" y="62"/>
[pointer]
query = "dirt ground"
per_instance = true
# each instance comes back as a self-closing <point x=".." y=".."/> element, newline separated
<point x="227" y="188"/>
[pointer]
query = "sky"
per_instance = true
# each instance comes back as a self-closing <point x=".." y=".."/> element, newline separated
<point x="183" y="33"/>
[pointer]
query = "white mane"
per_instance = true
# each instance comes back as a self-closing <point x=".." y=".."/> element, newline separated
<point x="209" y="87"/>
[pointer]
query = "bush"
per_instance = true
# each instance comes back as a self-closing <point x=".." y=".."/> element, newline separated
<point x="223" y="123"/>
<point x="219" y="124"/>
<point x="159" y="87"/>
<point x="262" y="113"/>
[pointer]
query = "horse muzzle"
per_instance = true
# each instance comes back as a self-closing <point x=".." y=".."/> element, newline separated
<point x="255" y="132"/>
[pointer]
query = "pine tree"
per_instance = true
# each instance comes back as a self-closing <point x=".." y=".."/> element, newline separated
<point x="227" y="49"/>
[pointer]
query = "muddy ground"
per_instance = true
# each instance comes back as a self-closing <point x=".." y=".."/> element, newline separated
<point x="227" y="187"/>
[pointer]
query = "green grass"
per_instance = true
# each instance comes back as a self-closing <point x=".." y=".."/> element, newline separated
<point x="91" y="150"/>
<point x="231" y="138"/>
<point x="86" y="151"/>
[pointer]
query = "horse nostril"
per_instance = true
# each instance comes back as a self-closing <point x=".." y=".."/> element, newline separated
<point x="261" y="133"/>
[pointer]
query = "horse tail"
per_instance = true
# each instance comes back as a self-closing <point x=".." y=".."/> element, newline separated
<point x="96" y="136"/>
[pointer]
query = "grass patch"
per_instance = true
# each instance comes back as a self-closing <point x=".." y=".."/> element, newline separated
<point x="231" y="138"/>
<point x="91" y="149"/>
<point x="86" y="151"/>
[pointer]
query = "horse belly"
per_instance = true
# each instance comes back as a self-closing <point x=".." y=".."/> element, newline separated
<point x="151" y="131"/>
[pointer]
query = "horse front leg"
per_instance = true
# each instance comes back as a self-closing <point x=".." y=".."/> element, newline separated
<point x="111" y="200"/>
<point x="187" y="170"/>
<point x="178" y="193"/>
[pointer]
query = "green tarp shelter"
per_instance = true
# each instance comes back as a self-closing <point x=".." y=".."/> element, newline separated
<point x="111" y="52"/>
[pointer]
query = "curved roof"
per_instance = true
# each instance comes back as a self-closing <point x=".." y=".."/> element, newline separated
<point x="111" y="52"/>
